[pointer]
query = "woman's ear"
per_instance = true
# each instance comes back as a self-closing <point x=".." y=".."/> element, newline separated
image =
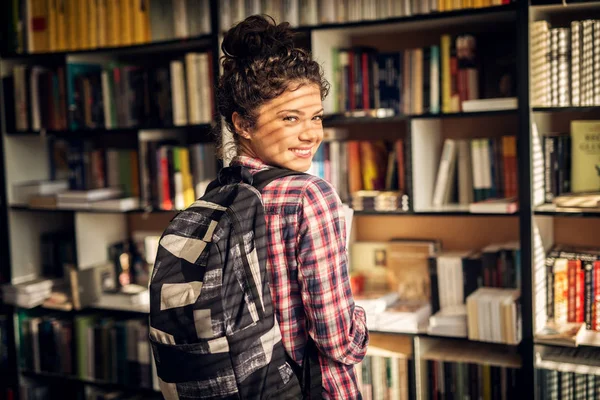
<point x="240" y="125"/>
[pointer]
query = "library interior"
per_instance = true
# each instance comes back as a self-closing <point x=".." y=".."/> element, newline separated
<point x="461" y="136"/>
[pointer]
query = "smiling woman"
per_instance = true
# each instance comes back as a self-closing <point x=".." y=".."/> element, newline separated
<point x="288" y="130"/>
<point x="270" y="96"/>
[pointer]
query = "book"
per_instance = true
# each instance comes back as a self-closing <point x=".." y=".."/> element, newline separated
<point x="585" y="156"/>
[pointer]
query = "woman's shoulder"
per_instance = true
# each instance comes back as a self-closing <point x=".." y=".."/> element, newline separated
<point x="300" y="191"/>
<point x="302" y="184"/>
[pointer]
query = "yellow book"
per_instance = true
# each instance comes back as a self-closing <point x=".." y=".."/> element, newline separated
<point x="188" y="184"/>
<point x="72" y="24"/>
<point x="138" y="9"/>
<point x="102" y="10"/>
<point x="126" y="14"/>
<point x="93" y="23"/>
<point x="146" y="21"/>
<point x="446" y="83"/>
<point x="52" y="24"/>
<point x="61" y="25"/>
<point x="585" y="156"/>
<point x="487" y="382"/>
<point x="38" y="26"/>
<point x="83" y="23"/>
<point x="114" y="23"/>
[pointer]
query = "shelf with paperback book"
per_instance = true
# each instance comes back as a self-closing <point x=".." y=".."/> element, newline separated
<point x="567" y="373"/>
<point x="567" y="156"/>
<point x="565" y="187"/>
<point x="468" y="368"/>
<point x="388" y="115"/>
<point x="322" y="14"/>
<point x="411" y="74"/>
<point x="413" y="286"/>
<point x="85" y="348"/>
<point x="31" y="27"/>
<point x="105" y="93"/>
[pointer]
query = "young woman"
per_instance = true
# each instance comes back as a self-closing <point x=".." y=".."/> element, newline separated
<point x="270" y="95"/>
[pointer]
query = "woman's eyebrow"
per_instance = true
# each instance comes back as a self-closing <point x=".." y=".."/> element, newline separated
<point x="291" y="111"/>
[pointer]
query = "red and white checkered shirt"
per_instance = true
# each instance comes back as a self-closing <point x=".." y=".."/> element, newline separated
<point x="308" y="265"/>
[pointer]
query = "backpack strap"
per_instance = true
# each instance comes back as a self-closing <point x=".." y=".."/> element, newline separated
<point x="263" y="178"/>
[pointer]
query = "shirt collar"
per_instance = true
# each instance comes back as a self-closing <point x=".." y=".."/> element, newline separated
<point x="249" y="162"/>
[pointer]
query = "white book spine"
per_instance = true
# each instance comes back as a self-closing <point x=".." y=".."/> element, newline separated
<point x="192" y="81"/>
<point x="106" y="100"/>
<point x="179" y="19"/>
<point x="178" y="94"/>
<point x="443" y="176"/>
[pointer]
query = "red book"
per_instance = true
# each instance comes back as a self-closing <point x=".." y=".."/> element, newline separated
<point x="572" y="285"/>
<point x="365" y="80"/>
<point x="596" y="297"/>
<point x="579" y="294"/>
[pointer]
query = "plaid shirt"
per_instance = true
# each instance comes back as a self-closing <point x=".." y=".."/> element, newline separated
<point x="308" y="265"/>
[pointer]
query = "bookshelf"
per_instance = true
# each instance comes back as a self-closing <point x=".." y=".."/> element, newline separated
<point x="536" y="226"/>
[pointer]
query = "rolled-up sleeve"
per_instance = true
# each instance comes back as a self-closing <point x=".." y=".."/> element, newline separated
<point x="335" y="323"/>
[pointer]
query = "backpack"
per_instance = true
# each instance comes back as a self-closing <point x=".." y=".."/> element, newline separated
<point x="213" y="331"/>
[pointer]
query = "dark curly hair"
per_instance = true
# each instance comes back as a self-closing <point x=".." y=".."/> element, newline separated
<point x="260" y="62"/>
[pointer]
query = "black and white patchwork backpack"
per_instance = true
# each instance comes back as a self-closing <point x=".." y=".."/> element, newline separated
<point x="212" y="326"/>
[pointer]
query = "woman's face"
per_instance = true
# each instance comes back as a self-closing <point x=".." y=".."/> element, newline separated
<point x="288" y="130"/>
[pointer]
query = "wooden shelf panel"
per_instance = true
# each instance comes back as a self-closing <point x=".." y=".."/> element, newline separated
<point x="590" y="339"/>
<point x="552" y="210"/>
<point x="470" y="233"/>
<point x="84" y="133"/>
<point x="107" y="384"/>
<point x="566" y="109"/>
<point x="434" y="213"/>
<point x="341" y="119"/>
<point x="494" y="354"/>
<point x="431" y="20"/>
<point x="149" y="48"/>
<point x="81" y="210"/>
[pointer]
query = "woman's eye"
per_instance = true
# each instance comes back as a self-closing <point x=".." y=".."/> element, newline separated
<point x="290" y="118"/>
<point x="318" y="118"/>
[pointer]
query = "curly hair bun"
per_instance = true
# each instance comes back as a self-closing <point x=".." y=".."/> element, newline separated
<point x="257" y="37"/>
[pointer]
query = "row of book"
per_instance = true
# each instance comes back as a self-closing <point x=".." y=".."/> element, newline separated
<point x="401" y="283"/>
<point x="111" y="96"/>
<point x="173" y="176"/>
<point x="476" y="170"/>
<point x="367" y="182"/>
<point x="419" y="270"/>
<point x="461" y="380"/>
<point x="96" y="168"/>
<point x="470" y="370"/>
<point x="456" y="275"/>
<point x="565" y="69"/>
<point x="314" y="12"/>
<point x="494" y="315"/>
<point x="552" y="384"/>
<point x="572" y="288"/>
<point x="90" y="347"/>
<point x="567" y="372"/>
<point x="571" y="160"/>
<point x="446" y="77"/>
<point x="385" y="375"/>
<point x="35" y="26"/>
